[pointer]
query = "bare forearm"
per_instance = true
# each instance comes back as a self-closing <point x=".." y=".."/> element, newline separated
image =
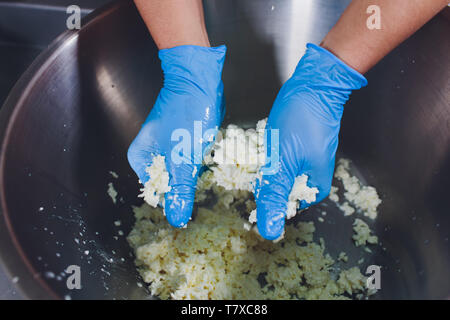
<point x="361" y="48"/>
<point x="174" y="22"/>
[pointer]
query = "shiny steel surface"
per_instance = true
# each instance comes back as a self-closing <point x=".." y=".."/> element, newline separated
<point x="71" y="117"/>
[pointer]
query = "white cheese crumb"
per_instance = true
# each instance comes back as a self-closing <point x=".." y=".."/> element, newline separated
<point x="158" y="184"/>
<point x="300" y="192"/>
<point x="363" y="234"/>
<point x="333" y="194"/>
<point x="112" y="192"/>
<point x="252" y="217"/>
<point x="343" y="257"/>
<point x="346" y="208"/>
<point x="364" y="198"/>
<point x="350" y="281"/>
<point x="114" y="175"/>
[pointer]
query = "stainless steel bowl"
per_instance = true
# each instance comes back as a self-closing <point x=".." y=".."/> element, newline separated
<point x="71" y="117"/>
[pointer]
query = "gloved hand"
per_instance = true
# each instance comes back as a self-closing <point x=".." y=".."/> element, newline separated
<point x="307" y="112"/>
<point x="192" y="95"/>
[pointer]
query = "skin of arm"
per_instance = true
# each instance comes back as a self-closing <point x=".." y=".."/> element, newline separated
<point x="361" y="48"/>
<point x="174" y="23"/>
<point x="181" y="22"/>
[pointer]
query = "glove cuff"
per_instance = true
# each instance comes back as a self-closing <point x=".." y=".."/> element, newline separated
<point x="200" y="65"/>
<point x="353" y="78"/>
<point x="332" y="70"/>
<point x="327" y="79"/>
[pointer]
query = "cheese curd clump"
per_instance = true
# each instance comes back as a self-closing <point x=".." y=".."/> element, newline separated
<point x="221" y="255"/>
<point x="236" y="159"/>
<point x="216" y="257"/>
<point x="158" y="184"/>
<point x="237" y="156"/>
<point x="364" y="198"/>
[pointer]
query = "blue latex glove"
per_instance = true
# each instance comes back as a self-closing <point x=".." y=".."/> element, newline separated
<point x="192" y="95"/>
<point x="307" y="112"/>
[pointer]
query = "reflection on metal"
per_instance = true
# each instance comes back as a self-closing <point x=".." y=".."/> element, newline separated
<point x="300" y="26"/>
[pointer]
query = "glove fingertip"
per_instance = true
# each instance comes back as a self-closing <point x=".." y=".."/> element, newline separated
<point x="178" y="210"/>
<point x="270" y="224"/>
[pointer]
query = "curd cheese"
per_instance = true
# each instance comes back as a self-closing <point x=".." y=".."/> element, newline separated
<point x="221" y="254"/>
<point x="363" y="234"/>
<point x="158" y="184"/>
<point x="364" y="198"/>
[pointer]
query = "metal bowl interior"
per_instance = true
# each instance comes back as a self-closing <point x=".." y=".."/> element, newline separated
<point x="72" y="116"/>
